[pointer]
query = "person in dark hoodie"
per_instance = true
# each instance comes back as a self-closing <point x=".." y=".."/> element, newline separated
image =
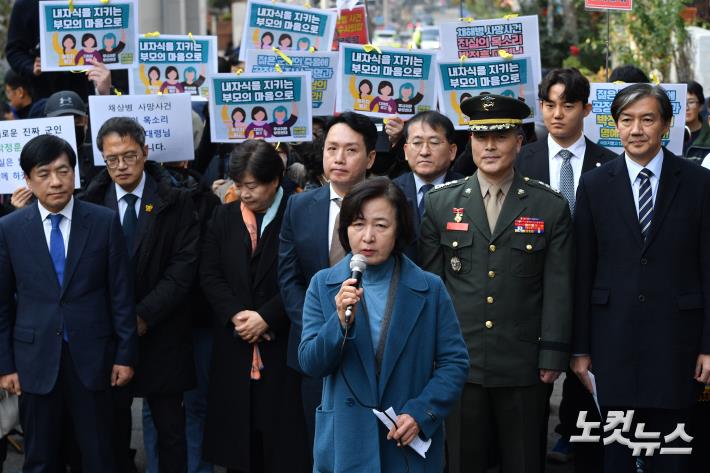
<point x="161" y="229"/>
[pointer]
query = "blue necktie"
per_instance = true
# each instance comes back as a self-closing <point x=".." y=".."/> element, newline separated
<point x="423" y="189"/>
<point x="645" y="202"/>
<point x="130" y="220"/>
<point x="56" y="251"/>
<point x="567" y="179"/>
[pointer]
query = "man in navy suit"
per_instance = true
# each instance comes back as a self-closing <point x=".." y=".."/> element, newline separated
<point x="309" y="233"/>
<point x="67" y="319"/>
<point x="560" y="160"/>
<point x="642" y="317"/>
<point x="430" y="148"/>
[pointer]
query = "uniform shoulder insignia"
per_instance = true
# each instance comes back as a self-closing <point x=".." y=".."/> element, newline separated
<point x="542" y="185"/>
<point x="447" y="185"/>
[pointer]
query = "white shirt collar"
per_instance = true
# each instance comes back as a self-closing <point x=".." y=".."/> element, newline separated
<point x="577" y="149"/>
<point x="333" y="195"/>
<point x="138" y="191"/>
<point x="654" y="166"/>
<point x="419" y="182"/>
<point x="66" y="212"/>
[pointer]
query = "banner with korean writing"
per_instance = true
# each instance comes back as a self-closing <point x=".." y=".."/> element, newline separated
<point x="322" y="65"/>
<point x="275" y="107"/>
<point x="167" y="120"/>
<point x="172" y="64"/>
<point x="460" y="80"/>
<point x="74" y="33"/>
<point x="351" y="26"/>
<point x="278" y="25"/>
<point x="14" y="134"/>
<point x="499" y="38"/>
<point x="599" y="125"/>
<point x="393" y="82"/>
<point x="623" y="5"/>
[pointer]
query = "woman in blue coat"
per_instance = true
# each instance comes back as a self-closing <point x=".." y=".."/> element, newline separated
<point x="402" y="347"/>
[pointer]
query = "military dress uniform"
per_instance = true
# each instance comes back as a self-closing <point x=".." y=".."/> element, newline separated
<point x="512" y="290"/>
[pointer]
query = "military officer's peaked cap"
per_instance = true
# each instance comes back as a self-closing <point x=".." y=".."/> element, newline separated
<point x="494" y="112"/>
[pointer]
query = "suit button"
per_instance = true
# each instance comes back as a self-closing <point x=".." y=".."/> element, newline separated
<point x="489" y="324"/>
<point x="349" y="402"/>
<point x="642" y="298"/>
<point x="492" y="248"/>
<point x="59" y="333"/>
<point x="489" y="299"/>
<point x="644" y="261"/>
<point x="455" y="244"/>
<point x="528" y="247"/>
<point x="491" y="274"/>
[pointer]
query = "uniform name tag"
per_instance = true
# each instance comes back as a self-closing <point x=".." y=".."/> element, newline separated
<point x="457" y="226"/>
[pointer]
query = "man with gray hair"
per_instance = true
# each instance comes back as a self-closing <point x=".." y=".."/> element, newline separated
<point x="642" y="318"/>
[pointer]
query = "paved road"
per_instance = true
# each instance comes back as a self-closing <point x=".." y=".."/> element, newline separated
<point x="14" y="460"/>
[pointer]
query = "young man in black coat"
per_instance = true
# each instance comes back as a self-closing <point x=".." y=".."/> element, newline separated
<point x="161" y="229"/>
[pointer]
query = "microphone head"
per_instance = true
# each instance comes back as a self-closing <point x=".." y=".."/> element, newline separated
<point x="358" y="263"/>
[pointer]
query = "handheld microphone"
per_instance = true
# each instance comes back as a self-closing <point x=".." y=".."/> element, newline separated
<point x="358" y="264"/>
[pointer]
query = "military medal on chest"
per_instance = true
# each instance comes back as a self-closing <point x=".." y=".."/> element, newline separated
<point x="457" y="224"/>
<point x="455" y="264"/>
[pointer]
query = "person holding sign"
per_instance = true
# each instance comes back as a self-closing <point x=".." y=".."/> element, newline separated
<point x="67" y="317"/>
<point x="503" y="245"/>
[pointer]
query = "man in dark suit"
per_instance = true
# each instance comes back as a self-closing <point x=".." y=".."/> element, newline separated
<point x="642" y="321"/>
<point x="502" y="243"/>
<point x="160" y="227"/>
<point x="309" y="234"/>
<point x="430" y="149"/>
<point x="560" y="160"/>
<point x="67" y="319"/>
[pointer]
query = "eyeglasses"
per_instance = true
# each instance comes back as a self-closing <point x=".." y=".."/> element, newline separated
<point x="129" y="159"/>
<point x="419" y="144"/>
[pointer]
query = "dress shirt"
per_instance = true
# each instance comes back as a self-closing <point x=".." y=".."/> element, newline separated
<point x="64" y="225"/>
<point x="123" y="205"/>
<point x="418" y="183"/>
<point x="333" y="212"/>
<point x="655" y="166"/>
<point x="577" y="149"/>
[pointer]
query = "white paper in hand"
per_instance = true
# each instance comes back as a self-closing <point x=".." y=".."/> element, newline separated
<point x="418" y="445"/>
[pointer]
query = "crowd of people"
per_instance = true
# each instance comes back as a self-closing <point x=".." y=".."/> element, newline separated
<point x="228" y="292"/>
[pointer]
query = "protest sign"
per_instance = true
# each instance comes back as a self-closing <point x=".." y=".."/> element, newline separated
<point x="275" y="107"/>
<point x="172" y="64"/>
<point x="599" y="125"/>
<point x="460" y="80"/>
<point x="167" y="120"/>
<point x="393" y="82"/>
<point x="623" y="5"/>
<point x="14" y="134"/>
<point x="322" y="65"/>
<point x="500" y="38"/>
<point x="287" y="27"/>
<point x="74" y="33"/>
<point x="351" y="26"/>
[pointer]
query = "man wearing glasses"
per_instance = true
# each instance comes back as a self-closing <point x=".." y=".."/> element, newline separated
<point x="160" y="226"/>
<point x="430" y="149"/>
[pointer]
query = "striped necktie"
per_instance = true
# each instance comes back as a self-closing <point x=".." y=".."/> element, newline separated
<point x="423" y="190"/>
<point x="567" y="178"/>
<point x="645" y="202"/>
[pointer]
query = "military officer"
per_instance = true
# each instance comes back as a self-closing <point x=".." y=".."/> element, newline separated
<point x="503" y="245"/>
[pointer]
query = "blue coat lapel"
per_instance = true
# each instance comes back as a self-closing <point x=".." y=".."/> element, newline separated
<point x="318" y="212"/>
<point x="37" y="244"/>
<point x="408" y="306"/>
<point x="77" y="241"/>
<point x="620" y="187"/>
<point x="668" y="183"/>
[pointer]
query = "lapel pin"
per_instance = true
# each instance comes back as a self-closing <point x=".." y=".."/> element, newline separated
<point x="148" y="208"/>
<point x="521" y="192"/>
<point x="599" y="164"/>
<point x="468" y="190"/>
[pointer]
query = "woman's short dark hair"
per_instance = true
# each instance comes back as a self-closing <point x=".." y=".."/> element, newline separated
<point x="629" y="74"/>
<point x="258" y="158"/>
<point x="364" y="82"/>
<point x="122" y="126"/>
<point x="153" y="68"/>
<point x="383" y="84"/>
<point x="170" y="69"/>
<point x="256" y="110"/>
<point x="89" y="36"/>
<point x="376" y="187"/>
<point x="635" y="92"/>
<point x="435" y="120"/>
<point x="44" y="149"/>
<point x="576" y="85"/>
